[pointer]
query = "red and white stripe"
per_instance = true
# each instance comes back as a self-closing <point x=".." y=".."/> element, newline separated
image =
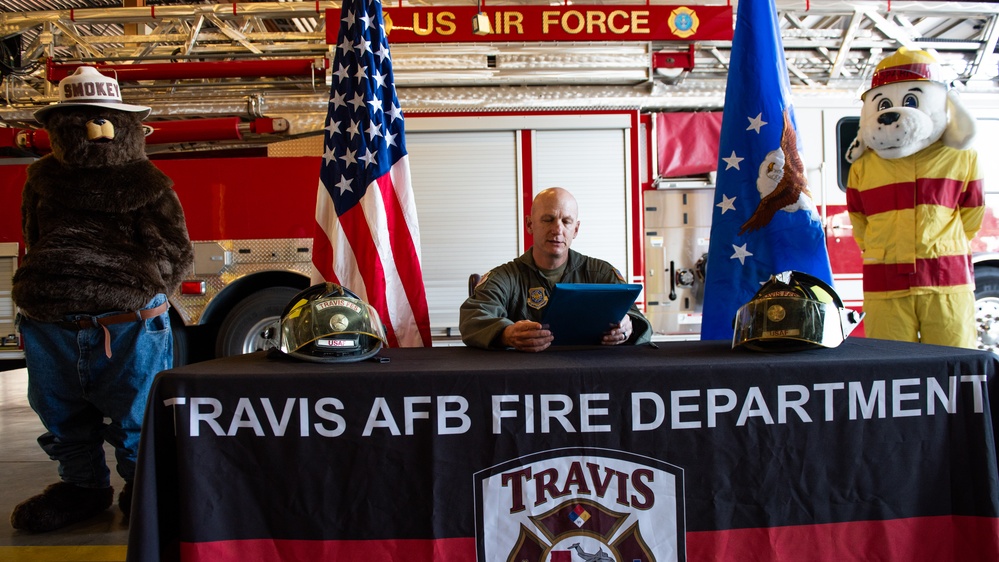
<point x="374" y="250"/>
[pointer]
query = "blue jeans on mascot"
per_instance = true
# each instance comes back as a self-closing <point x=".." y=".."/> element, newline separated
<point x="73" y="385"/>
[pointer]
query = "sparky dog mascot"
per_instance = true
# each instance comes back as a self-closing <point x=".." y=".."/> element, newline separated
<point x="106" y="242"/>
<point x="914" y="197"/>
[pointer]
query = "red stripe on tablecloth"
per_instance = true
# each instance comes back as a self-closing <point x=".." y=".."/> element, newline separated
<point x="409" y="550"/>
<point x="919" y="539"/>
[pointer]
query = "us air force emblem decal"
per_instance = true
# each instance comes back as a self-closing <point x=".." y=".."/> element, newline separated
<point x="537" y="297"/>
<point x="580" y="505"/>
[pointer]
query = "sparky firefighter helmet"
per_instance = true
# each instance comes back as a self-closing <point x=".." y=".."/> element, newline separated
<point x="327" y="323"/>
<point x="791" y="312"/>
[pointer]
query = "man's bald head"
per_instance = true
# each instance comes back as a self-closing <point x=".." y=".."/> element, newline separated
<point x="554" y="223"/>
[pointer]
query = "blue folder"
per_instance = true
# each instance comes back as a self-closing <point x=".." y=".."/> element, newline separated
<point x="580" y="313"/>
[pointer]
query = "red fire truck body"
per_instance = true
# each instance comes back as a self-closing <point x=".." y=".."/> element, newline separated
<point x="251" y="218"/>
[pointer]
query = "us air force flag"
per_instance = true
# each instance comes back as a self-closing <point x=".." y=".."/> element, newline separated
<point x="764" y="221"/>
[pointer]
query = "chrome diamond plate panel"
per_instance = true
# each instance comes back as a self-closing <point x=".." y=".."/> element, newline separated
<point x="241" y="258"/>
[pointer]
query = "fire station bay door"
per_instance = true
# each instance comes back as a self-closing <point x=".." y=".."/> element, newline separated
<point x="468" y="176"/>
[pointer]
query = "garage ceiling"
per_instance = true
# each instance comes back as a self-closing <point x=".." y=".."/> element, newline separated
<point x="830" y="45"/>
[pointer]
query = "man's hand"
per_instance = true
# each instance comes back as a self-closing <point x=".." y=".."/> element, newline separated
<point x="527" y="336"/>
<point x="619" y="333"/>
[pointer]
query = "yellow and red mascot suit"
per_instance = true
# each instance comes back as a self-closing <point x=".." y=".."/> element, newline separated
<point x="914" y="196"/>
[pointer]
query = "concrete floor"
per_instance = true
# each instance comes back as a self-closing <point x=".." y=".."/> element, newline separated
<point x="25" y="470"/>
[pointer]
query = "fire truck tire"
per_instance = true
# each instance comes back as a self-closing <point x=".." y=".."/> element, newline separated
<point x="987" y="307"/>
<point x="245" y="328"/>
<point x="179" y="343"/>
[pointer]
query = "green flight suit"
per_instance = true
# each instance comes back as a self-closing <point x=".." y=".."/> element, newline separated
<point x="502" y="297"/>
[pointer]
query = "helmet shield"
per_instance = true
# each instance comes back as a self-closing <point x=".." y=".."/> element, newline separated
<point x="330" y="326"/>
<point x="793" y="311"/>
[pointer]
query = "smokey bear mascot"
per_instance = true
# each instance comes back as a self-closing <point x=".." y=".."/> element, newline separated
<point x="914" y="196"/>
<point x="106" y="243"/>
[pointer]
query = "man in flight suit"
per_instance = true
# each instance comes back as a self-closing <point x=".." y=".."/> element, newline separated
<point x="508" y="303"/>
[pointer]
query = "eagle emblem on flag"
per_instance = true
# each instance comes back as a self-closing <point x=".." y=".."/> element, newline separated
<point x="781" y="182"/>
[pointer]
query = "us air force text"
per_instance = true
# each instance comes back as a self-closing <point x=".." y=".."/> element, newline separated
<point x="580" y="413"/>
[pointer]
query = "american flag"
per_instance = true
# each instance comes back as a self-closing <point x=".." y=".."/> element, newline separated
<point x="367" y="236"/>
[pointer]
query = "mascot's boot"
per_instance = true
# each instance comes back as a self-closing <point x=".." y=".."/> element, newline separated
<point x="59" y="505"/>
<point x="125" y="501"/>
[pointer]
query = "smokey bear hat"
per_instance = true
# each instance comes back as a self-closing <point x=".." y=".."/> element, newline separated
<point x="88" y="87"/>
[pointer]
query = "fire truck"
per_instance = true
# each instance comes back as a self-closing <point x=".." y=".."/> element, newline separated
<point x="239" y="94"/>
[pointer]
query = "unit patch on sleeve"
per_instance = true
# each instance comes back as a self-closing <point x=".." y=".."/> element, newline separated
<point x="537" y="297"/>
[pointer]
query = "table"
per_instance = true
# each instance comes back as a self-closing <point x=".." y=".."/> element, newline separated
<point x="874" y="450"/>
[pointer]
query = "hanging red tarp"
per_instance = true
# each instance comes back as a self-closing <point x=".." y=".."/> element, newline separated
<point x="688" y="143"/>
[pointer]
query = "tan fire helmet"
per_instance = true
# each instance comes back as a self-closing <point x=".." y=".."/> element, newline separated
<point x="793" y="311"/>
<point x="327" y="323"/>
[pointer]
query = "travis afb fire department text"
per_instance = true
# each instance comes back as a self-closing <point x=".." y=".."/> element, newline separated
<point x="582" y="413"/>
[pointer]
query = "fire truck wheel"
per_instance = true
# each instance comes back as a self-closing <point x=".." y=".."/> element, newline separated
<point x="987" y="307"/>
<point x="252" y="324"/>
<point x="179" y="342"/>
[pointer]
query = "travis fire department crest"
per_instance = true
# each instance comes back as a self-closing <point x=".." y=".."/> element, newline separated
<point x="580" y="505"/>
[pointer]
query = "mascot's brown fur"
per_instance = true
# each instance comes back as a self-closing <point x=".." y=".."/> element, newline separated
<point x="104" y="232"/>
<point x="103" y="226"/>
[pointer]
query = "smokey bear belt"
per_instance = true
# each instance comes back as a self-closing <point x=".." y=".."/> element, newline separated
<point x="104" y="321"/>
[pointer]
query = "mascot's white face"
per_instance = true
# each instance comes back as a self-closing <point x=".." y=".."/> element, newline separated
<point x="903" y="118"/>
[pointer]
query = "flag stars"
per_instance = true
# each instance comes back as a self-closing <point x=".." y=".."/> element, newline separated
<point x="732" y="161"/>
<point x="756" y="123"/>
<point x="727" y="204"/>
<point x="374" y="131"/>
<point x="341" y="73"/>
<point x="344" y="185"/>
<point x="369" y="158"/>
<point x="349" y="19"/>
<point x="346" y="46"/>
<point x="332" y="127"/>
<point x="741" y="253"/>
<point x="337" y="100"/>
<point x="353" y="129"/>
<point x="364" y="46"/>
<point x="363" y="107"/>
<point x="348" y="158"/>
<point x="395" y="112"/>
<point x="361" y="74"/>
<point x="357" y="101"/>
